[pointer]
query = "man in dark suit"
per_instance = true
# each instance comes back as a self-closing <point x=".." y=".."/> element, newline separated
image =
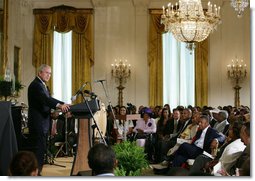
<point x="40" y="104"/>
<point x="201" y="143"/>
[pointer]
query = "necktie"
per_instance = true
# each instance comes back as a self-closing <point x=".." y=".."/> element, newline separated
<point x="46" y="89"/>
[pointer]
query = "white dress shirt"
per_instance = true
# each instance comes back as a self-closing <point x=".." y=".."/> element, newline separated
<point x="200" y="142"/>
<point x="231" y="153"/>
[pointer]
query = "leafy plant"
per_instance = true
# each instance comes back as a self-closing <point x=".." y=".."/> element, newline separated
<point x="5" y="87"/>
<point x="131" y="159"/>
<point x="18" y="86"/>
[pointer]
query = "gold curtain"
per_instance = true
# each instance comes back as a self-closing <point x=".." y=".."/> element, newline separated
<point x="201" y="73"/>
<point x="64" y="19"/>
<point x="43" y="39"/>
<point x="82" y="53"/>
<point x="155" y="59"/>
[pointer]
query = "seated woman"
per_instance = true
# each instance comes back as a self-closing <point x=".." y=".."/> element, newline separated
<point x="145" y="130"/>
<point x="122" y="127"/>
<point x="164" y="129"/>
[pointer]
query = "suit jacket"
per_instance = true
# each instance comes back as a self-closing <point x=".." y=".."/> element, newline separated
<point x="209" y="136"/>
<point x="40" y="103"/>
<point x="171" y="127"/>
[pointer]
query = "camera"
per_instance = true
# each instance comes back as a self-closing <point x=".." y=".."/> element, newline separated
<point x="131" y="108"/>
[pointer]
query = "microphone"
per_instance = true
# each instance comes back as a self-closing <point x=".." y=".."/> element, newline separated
<point x="100" y="80"/>
<point x="73" y="98"/>
<point x="89" y="92"/>
<point x="92" y="94"/>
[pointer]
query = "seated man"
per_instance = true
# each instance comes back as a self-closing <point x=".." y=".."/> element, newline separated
<point x="187" y="134"/>
<point x="222" y="123"/>
<point x="102" y="160"/>
<point x="228" y="152"/>
<point x="201" y="143"/>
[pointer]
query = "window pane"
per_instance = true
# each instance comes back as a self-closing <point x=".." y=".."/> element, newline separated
<point x="62" y="66"/>
<point x="178" y="73"/>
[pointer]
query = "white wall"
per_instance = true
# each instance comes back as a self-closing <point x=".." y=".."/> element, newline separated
<point x="231" y="40"/>
<point x="121" y="31"/>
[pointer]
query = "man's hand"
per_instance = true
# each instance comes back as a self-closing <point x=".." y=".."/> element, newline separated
<point x="64" y="107"/>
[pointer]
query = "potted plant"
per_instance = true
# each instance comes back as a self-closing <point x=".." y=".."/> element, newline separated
<point x="6" y="87"/>
<point x="131" y="159"/>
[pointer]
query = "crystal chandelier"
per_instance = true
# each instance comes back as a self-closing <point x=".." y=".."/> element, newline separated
<point x="239" y="6"/>
<point x="187" y="21"/>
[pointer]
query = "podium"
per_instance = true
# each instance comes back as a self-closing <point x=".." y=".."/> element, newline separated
<point x="84" y="143"/>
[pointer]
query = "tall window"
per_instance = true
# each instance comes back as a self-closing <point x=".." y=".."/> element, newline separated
<point x="178" y="73"/>
<point x="62" y="66"/>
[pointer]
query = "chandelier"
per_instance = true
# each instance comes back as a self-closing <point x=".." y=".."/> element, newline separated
<point x="188" y="23"/>
<point x="239" y="6"/>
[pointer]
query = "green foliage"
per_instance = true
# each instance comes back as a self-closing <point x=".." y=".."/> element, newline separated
<point x="18" y="86"/>
<point x="3" y="86"/>
<point x="131" y="159"/>
<point x="122" y="172"/>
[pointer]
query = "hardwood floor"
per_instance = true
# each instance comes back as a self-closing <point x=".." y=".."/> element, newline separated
<point x="62" y="167"/>
<point x="57" y="169"/>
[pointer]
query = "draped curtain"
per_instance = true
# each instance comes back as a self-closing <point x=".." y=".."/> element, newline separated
<point x="155" y="62"/>
<point x="155" y="59"/>
<point x="201" y="73"/>
<point x="64" y="19"/>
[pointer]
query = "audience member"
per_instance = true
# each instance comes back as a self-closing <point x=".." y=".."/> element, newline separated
<point x="164" y="129"/>
<point x="185" y="122"/>
<point x="201" y="143"/>
<point x="222" y="122"/>
<point x="145" y="131"/>
<point x="122" y="127"/>
<point x="24" y="163"/>
<point x="188" y="134"/>
<point x="245" y="137"/>
<point x="102" y="160"/>
<point x="144" y="126"/>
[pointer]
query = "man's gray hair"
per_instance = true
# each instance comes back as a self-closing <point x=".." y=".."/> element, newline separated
<point x="224" y="113"/>
<point x="42" y="67"/>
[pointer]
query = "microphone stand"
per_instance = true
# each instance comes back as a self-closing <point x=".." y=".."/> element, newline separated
<point x="110" y="104"/>
<point x="92" y="115"/>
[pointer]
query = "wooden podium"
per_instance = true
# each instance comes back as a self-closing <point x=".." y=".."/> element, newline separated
<point x="83" y="145"/>
<point x="84" y="142"/>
